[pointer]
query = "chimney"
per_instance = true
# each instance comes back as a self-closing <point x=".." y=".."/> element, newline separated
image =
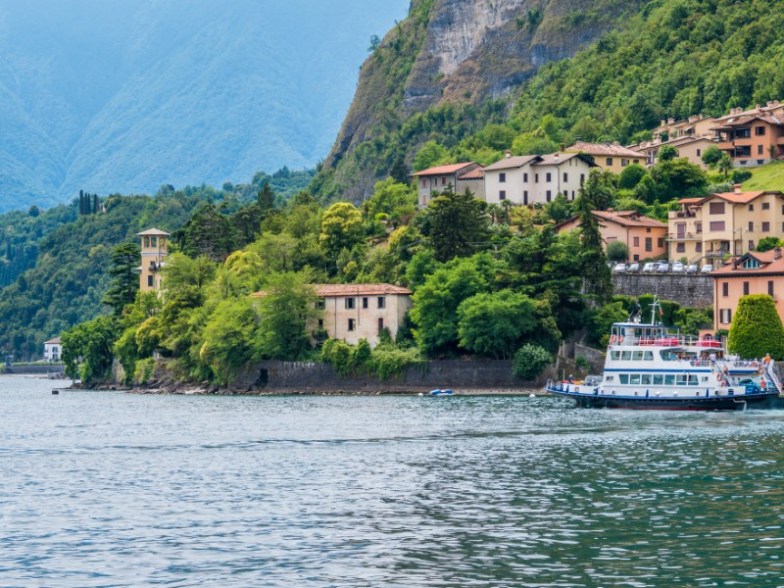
<point x="670" y="121"/>
<point x="662" y="123"/>
<point x="555" y="155"/>
<point x="507" y="154"/>
<point x="737" y="188"/>
<point x="777" y="253"/>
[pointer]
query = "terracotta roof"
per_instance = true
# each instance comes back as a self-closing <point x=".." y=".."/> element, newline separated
<point x="604" y="149"/>
<point x="512" y="162"/>
<point x="333" y="290"/>
<point x="690" y="200"/>
<point x="737" y="197"/>
<point x="559" y="158"/>
<point x="153" y="232"/>
<point x="474" y="174"/>
<point x="744" y="120"/>
<point x="629" y="218"/>
<point x="442" y="170"/>
<point x="769" y="265"/>
<point x="55" y="341"/>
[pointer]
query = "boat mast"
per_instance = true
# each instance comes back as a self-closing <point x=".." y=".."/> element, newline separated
<point x="654" y="305"/>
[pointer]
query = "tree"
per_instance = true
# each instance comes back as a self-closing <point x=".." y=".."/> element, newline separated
<point x="88" y="349"/>
<point x="597" y="281"/>
<point x="341" y="228"/>
<point x="124" y="280"/>
<point x="396" y="200"/>
<point x="430" y="154"/>
<point x="756" y="328"/>
<point x="228" y="338"/>
<point x="286" y="309"/>
<point x="455" y="225"/>
<point x="495" y="324"/>
<point x="768" y="243"/>
<point x="678" y="178"/>
<point x="667" y="153"/>
<point x="724" y="165"/>
<point x="631" y="176"/>
<point x="530" y="360"/>
<point x="265" y="198"/>
<point x="712" y="156"/>
<point x="617" y="251"/>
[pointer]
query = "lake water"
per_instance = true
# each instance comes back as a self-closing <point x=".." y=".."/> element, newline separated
<point x="115" y="489"/>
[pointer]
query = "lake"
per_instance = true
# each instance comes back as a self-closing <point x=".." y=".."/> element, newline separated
<point x="117" y="489"/>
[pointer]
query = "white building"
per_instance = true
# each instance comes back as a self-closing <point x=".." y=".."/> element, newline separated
<point x="456" y="177"/>
<point x="532" y="179"/>
<point x="53" y="350"/>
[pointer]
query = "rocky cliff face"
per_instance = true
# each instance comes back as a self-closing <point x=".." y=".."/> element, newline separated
<point x="463" y="51"/>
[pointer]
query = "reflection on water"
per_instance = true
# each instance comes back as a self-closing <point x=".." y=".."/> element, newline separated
<point x="113" y="489"/>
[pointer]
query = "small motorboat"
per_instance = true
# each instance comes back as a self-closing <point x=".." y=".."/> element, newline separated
<point x="439" y="392"/>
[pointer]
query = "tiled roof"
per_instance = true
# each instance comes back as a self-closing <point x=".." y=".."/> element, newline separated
<point x="604" y="149"/>
<point x="474" y="174"/>
<point x="333" y="290"/>
<point x="629" y="218"/>
<point x="737" y="197"/>
<point x="512" y="162"/>
<point x="690" y="200"/>
<point x="744" y="120"/>
<point x="55" y="341"/>
<point x="556" y="158"/>
<point x="443" y="170"/>
<point x="153" y="232"/>
<point x="769" y="264"/>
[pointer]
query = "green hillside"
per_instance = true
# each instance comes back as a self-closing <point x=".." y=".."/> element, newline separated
<point x="766" y="177"/>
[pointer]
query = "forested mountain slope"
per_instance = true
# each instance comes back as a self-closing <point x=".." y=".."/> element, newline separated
<point x="115" y="96"/>
<point x="436" y="78"/>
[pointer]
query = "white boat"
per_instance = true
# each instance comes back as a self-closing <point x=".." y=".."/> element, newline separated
<point x="650" y="367"/>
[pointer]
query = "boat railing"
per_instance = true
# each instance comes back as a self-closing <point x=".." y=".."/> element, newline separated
<point x="674" y="340"/>
<point x="771" y="373"/>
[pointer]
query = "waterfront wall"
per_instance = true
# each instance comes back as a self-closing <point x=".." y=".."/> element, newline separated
<point x="50" y="369"/>
<point x="693" y="290"/>
<point x="456" y="374"/>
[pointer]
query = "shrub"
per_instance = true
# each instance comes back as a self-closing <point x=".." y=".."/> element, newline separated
<point x="530" y="360"/>
<point x="145" y="368"/>
<point x="387" y="361"/>
<point x="756" y="328"/>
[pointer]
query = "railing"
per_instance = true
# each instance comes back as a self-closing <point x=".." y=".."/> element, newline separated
<point x="668" y="341"/>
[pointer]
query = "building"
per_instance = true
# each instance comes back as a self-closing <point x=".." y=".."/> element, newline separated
<point x="53" y="350"/>
<point x="361" y="311"/>
<point x="752" y="138"/>
<point x="154" y="250"/>
<point x="645" y="238"/>
<point x="751" y="273"/>
<point x="695" y="126"/>
<point x="456" y="177"/>
<point x="692" y="148"/>
<point x="725" y="224"/>
<point x="536" y="179"/>
<point x="608" y="156"/>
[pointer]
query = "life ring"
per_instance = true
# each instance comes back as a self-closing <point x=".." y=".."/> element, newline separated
<point x="616" y="339"/>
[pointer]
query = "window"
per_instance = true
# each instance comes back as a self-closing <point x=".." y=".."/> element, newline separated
<point x="766" y="227"/>
<point x="380" y="325"/>
<point x="750" y="263"/>
<point x="698" y="227"/>
<point x="364" y="302"/>
<point x="725" y="316"/>
<point x="636" y="241"/>
<point x="648" y="244"/>
<point x="536" y="178"/>
<point x="745" y="288"/>
<point x="751" y="245"/>
<point x="424" y="183"/>
<point x="525" y="178"/>
<point x="582" y="181"/>
<point x="725" y="289"/>
<point x="382" y="302"/>
<point x="680" y="247"/>
<point x="770" y="287"/>
<point x="154" y="241"/>
<point x="502" y="195"/>
<point x="751" y="208"/>
<point x="624" y="162"/>
<point x="502" y="177"/>
<point x="351" y="324"/>
<point x="349" y="303"/>
<point x="548" y="177"/>
<point x="750" y="229"/>
<point x="766" y="206"/>
<point x="698" y="247"/>
<point x="443" y="181"/>
<point x="549" y="195"/>
<point x="699" y="152"/>
<point x="566" y="177"/>
<point x="716" y="208"/>
<point x="760" y="149"/>
<point x="636" y="161"/>
<point x="150" y="282"/>
<point x="660" y="242"/>
<point x="608" y="162"/>
<point x="759" y="131"/>
<point x="320" y="304"/>
<point x="716" y="225"/>
<point x="525" y="196"/>
<point x="321" y="324"/>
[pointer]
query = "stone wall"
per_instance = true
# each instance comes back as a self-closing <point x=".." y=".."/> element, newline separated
<point x="456" y="374"/>
<point x="692" y="290"/>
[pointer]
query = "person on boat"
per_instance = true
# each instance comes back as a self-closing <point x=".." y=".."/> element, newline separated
<point x="571" y="379"/>
<point x="763" y="383"/>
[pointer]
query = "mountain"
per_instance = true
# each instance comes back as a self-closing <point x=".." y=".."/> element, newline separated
<point x="117" y="96"/>
<point x="447" y="70"/>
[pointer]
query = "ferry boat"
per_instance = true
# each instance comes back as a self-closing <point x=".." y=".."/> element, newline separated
<point x="650" y="367"/>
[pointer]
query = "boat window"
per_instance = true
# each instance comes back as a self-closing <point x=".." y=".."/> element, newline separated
<point x="658" y="379"/>
<point x="615" y="355"/>
<point x="693" y="380"/>
<point x="667" y="355"/>
<point x="609" y="378"/>
<point x="637" y="355"/>
<point x="627" y="355"/>
<point x="649" y="356"/>
<point x="623" y="378"/>
<point x="680" y="380"/>
<point x="646" y="380"/>
<point x="704" y="378"/>
<point x="634" y="379"/>
<point x="669" y="380"/>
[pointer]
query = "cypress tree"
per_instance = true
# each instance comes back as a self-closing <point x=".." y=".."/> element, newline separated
<point x="756" y="328"/>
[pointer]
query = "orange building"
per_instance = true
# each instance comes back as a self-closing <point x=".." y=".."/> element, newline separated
<point x="752" y="273"/>
<point x="752" y="137"/>
<point x="645" y="238"/>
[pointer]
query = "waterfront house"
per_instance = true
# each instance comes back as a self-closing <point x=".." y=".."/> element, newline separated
<point x="456" y="177"/>
<point x="536" y="179"/>
<point x="608" y="156"/>
<point x="53" y="350"/>
<point x="750" y="273"/>
<point x="724" y="224"/>
<point x="155" y="247"/>
<point x="645" y="238"/>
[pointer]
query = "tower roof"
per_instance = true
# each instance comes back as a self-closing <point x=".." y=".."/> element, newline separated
<point x="151" y="232"/>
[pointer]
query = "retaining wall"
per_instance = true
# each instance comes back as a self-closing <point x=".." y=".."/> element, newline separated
<point x="692" y="290"/>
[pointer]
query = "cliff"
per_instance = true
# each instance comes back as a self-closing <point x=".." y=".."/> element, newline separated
<point x="463" y="59"/>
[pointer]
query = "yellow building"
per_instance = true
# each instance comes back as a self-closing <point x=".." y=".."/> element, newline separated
<point x="154" y="250"/>
<point x="722" y="225"/>
<point x="608" y="156"/>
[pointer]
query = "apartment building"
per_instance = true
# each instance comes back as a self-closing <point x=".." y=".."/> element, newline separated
<point x="645" y="238"/>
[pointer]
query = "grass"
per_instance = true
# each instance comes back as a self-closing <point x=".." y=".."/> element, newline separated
<point x="766" y="177"/>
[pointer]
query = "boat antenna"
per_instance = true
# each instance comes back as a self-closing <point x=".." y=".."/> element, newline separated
<point x="654" y="305"/>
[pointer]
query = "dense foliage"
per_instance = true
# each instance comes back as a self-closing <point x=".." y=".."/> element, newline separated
<point x="756" y="329"/>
